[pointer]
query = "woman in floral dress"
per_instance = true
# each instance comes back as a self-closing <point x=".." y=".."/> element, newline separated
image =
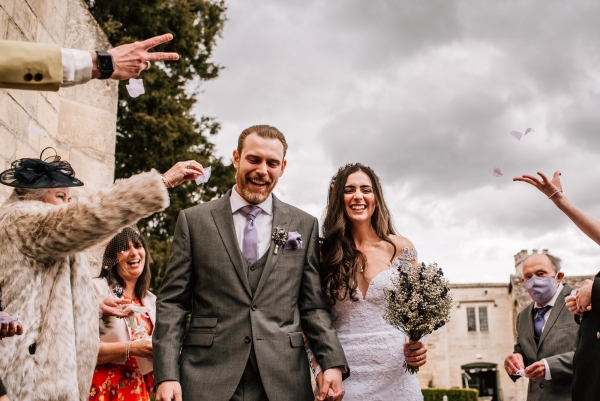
<point x="124" y="365"/>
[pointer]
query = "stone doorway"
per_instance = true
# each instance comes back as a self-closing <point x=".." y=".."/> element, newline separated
<point x="483" y="377"/>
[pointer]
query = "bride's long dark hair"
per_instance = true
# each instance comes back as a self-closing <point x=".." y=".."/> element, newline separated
<point x="339" y="257"/>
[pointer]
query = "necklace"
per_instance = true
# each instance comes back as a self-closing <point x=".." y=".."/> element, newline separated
<point x="118" y="290"/>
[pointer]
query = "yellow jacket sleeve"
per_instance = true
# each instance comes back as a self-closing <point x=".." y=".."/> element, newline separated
<point x="30" y="66"/>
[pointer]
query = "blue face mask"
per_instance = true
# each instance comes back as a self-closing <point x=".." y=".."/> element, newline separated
<point x="541" y="289"/>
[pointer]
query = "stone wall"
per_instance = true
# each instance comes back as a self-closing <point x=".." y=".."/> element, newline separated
<point x="79" y="122"/>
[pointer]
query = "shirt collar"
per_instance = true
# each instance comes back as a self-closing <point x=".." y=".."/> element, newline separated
<point x="556" y="294"/>
<point x="237" y="202"/>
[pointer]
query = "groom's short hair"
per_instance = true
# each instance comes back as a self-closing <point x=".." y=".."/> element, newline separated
<point x="264" y="131"/>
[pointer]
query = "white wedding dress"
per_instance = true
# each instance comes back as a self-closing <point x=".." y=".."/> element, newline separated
<point x="375" y="349"/>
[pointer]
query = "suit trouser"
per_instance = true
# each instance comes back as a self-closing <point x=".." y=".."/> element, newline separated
<point x="250" y="387"/>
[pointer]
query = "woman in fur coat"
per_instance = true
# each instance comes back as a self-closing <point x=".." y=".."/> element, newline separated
<point x="44" y="275"/>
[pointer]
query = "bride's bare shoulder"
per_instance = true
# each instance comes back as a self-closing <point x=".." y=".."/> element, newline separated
<point x="402" y="244"/>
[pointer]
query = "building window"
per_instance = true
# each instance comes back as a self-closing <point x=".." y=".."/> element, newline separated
<point x="471" y="322"/>
<point x="483" y="319"/>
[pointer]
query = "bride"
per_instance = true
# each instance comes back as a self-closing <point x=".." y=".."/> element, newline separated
<point x="359" y="255"/>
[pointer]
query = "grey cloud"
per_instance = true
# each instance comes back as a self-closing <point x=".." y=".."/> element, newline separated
<point x="426" y="93"/>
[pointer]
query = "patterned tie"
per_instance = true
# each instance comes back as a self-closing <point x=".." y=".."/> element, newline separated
<point x="538" y="322"/>
<point x="250" y="243"/>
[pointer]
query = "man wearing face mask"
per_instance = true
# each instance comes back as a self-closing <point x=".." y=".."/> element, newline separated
<point x="546" y="333"/>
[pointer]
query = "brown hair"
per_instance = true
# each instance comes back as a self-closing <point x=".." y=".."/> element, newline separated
<point x="264" y="131"/>
<point x="339" y="257"/>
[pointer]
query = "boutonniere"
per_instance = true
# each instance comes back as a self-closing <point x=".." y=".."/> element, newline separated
<point x="279" y="237"/>
<point x="289" y="240"/>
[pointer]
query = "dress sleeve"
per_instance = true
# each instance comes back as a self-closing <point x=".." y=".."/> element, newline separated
<point x="405" y="257"/>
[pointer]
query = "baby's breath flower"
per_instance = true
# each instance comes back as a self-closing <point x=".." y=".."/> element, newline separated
<point x="418" y="302"/>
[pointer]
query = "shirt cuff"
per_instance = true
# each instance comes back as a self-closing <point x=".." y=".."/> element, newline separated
<point x="548" y="376"/>
<point x="77" y="67"/>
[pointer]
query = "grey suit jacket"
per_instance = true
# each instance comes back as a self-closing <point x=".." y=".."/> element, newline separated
<point x="557" y="345"/>
<point x="206" y="276"/>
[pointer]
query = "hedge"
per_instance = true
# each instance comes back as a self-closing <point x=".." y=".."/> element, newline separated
<point x="454" y="394"/>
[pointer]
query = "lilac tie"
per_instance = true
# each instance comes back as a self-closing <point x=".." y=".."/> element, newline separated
<point x="250" y="243"/>
<point x="538" y="322"/>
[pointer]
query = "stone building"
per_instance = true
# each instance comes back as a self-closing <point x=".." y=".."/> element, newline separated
<point x="79" y="122"/>
<point x="470" y="350"/>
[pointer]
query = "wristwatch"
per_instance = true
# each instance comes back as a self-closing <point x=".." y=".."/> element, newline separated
<point x="105" y="64"/>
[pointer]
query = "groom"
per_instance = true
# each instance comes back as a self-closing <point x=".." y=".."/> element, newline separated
<point x="250" y="299"/>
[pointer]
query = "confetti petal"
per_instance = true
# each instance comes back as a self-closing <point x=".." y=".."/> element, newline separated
<point x="203" y="179"/>
<point x="35" y="130"/>
<point x="516" y="134"/>
<point x="135" y="87"/>
<point x="497" y="172"/>
<point x="528" y="130"/>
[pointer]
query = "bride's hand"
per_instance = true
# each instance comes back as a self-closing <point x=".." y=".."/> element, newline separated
<point x="416" y="354"/>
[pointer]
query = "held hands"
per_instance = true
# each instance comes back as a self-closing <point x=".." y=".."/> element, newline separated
<point x="131" y="59"/>
<point x="513" y="363"/>
<point x="578" y="307"/>
<point x="536" y="371"/>
<point x="141" y="348"/>
<point x="10" y="329"/>
<point x="548" y="188"/>
<point x="182" y="171"/>
<point x="584" y="297"/>
<point x="114" y="307"/>
<point x="416" y="354"/>
<point x="331" y="385"/>
<point x="169" y="390"/>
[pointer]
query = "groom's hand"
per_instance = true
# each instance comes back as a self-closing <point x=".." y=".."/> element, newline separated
<point x="332" y="385"/>
<point x="168" y="390"/>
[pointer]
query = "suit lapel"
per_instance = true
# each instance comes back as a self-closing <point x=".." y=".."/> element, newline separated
<point x="559" y="304"/>
<point x="224" y="222"/>
<point x="528" y="333"/>
<point x="281" y="219"/>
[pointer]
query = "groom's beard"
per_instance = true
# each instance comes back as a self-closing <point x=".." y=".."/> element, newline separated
<point x="250" y="193"/>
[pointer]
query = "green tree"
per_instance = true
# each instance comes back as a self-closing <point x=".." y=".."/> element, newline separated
<point x="158" y="129"/>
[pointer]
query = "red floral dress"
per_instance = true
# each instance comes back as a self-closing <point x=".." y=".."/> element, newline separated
<point x="113" y="382"/>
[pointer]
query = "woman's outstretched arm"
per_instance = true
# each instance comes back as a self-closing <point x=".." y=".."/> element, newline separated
<point x="553" y="189"/>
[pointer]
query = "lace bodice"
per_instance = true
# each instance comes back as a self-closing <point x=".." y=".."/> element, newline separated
<point x="375" y="349"/>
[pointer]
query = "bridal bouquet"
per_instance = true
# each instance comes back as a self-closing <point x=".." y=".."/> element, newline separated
<point x="418" y="302"/>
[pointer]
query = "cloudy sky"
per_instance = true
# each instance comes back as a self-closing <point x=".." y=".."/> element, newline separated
<point x="426" y="93"/>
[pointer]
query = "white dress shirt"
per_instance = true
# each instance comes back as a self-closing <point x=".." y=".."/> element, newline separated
<point x="263" y="222"/>
<point x="77" y="67"/>
<point x="548" y="376"/>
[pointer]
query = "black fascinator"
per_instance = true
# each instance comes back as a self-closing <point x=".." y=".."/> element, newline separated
<point x="51" y="172"/>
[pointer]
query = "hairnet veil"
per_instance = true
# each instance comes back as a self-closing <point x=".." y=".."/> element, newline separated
<point x="119" y="245"/>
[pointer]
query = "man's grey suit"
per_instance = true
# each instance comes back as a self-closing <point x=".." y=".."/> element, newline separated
<point x="557" y="345"/>
<point x="208" y="276"/>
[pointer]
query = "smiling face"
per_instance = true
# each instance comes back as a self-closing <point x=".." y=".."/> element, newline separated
<point x="131" y="261"/>
<point x="359" y="198"/>
<point x="259" y="167"/>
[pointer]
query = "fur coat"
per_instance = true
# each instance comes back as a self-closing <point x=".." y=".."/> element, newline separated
<point x="46" y="282"/>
